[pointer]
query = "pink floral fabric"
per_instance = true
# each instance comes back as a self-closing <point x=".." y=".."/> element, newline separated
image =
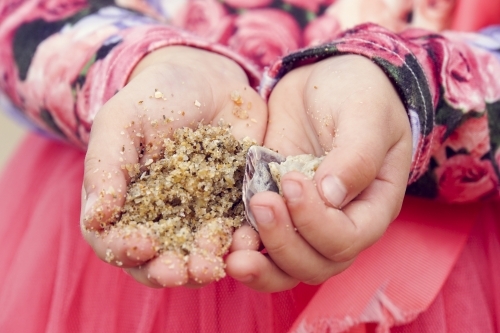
<point x="60" y="61"/>
<point x="451" y="95"/>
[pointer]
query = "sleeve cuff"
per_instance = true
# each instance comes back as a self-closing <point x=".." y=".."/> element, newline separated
<point x="107" y="76"/>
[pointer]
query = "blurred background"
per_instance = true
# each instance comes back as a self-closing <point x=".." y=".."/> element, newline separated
<point x="10" y="135"/>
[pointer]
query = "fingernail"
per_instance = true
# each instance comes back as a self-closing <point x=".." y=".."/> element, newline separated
<point x="89" y="203"/>
<point x="263" y="215"/>
<point x="292" y="190"/>
<point x="333" y="190"/>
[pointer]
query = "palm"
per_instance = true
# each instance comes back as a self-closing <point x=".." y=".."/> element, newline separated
<point x="298" y="124"/>
<point x="130" y="129"/>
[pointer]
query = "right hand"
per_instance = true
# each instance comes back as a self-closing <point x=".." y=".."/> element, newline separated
<point x="346" y="109"/>
<point x="196" y="86"/>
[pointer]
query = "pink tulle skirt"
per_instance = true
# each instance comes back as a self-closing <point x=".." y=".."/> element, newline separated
<point x="437" y="269"/>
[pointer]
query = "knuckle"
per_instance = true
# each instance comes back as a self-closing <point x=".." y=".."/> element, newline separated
<point x="277" y="248"/>
<point x="92" y="169"/>
<point x="305" y="225"/>
<point x="364" y="166"/>
<point x="318" y="278"/>
<point x="346" y="254"/>
<point x="91" y="162"/>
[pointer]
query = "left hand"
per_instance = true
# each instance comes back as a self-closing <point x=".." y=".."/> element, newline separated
<point x="130" y="130"/>
<point x="344" y="107"/>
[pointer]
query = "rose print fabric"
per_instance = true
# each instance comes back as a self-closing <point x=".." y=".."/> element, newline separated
<point x="62" y="60"/>
<point x="452" y="97"/>
<point x="435" y="269"/>
<point x="63" y="75"/>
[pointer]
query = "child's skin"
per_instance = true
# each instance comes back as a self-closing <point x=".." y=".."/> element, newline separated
<point x="344" y="106"/>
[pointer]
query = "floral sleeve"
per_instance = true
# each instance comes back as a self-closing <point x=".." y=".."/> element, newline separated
<point x="450" y="86"/>
<point x="61" y="60"/>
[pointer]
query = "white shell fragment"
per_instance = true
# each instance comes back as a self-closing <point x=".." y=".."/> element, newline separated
<point x="264" y="169"/>
<point x="257" y="177"/>
<point x="306" y="164"/>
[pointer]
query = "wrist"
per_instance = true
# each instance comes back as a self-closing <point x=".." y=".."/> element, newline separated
<point x="215" y="65"/>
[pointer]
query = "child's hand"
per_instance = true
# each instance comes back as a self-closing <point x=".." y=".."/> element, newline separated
<point x="346" y="107"/>
<point x="170" y="88"/>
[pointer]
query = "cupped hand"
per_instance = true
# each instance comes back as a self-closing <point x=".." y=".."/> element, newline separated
<point x="346" y="108"/>
<point x="170" y="88"/>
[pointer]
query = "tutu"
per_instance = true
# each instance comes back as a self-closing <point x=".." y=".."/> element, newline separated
<point x="53" y="282"/>
<point x="433" y="271"/>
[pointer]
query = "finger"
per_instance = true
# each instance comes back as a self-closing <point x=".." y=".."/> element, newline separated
<point x="211" y="243"/>
<point x="110" y="161"/>
<point x="122" y="248"/>
<point x="328" y="230"/>
<point x="205" y="267"/>
<point x="245" y="238"/>
<point x="167" y="270"/>
<point x="289" y="250"/>
<point x="256" y="271"/>
<point x="133" y="249"/>
<point x="140" y="275"/>
<point x="377" y="206"/>
<point x="353" y="164"/>
<point x="341" y="234"/>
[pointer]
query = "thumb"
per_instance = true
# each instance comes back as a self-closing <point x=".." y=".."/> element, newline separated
<point x="360" y="147"/>
<point x="110" y="161"/>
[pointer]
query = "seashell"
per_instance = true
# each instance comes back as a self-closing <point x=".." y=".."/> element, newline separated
<point x="258" y="177"/>
<point x="264" y="169"/>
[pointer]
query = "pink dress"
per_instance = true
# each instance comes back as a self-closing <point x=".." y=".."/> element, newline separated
<point x="435" y="270"/>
